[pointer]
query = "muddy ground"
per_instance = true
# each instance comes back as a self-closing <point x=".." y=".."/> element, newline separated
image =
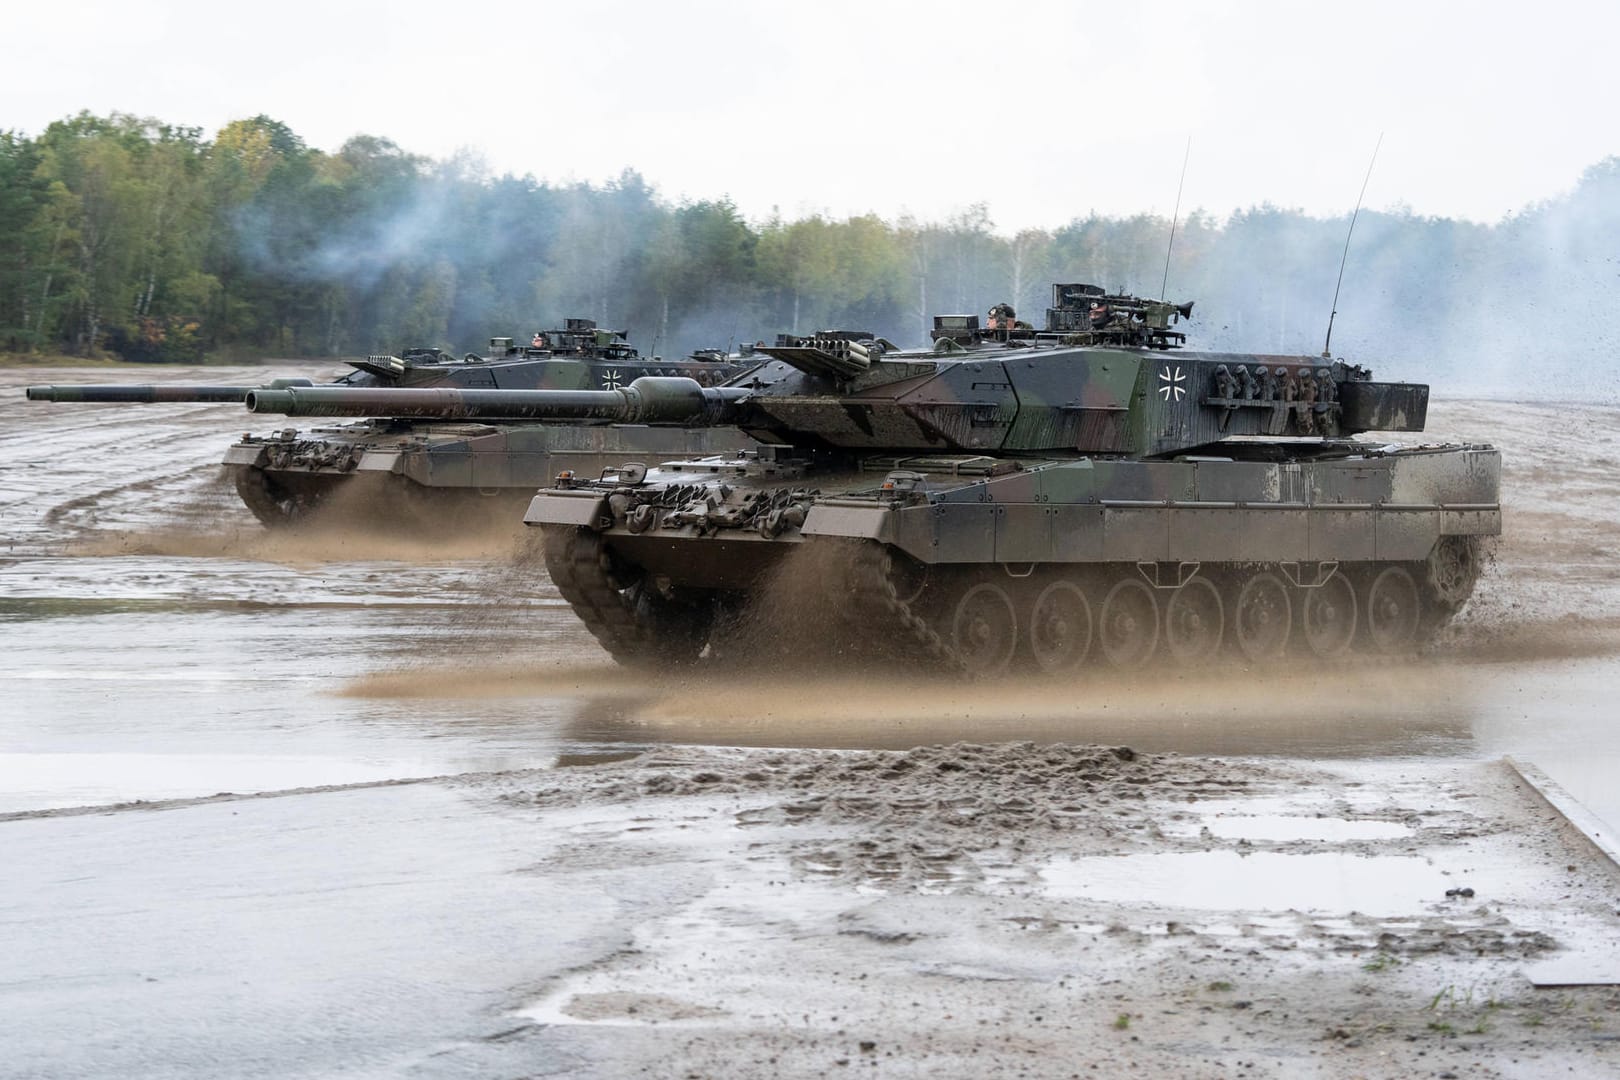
<point x="357" y="805"/>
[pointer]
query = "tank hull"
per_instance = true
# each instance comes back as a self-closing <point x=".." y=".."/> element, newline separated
<point x="433" y="472"/>
<point x="1053" y="564"/>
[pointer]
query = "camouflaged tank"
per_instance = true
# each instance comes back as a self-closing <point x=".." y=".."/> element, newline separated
<point x="431" y="473"/>
<point x="1091" y="493"/>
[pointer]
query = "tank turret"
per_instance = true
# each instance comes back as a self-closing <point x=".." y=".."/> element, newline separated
<point x="1035" y="393"/>
<point x="1091" y="493"/>
<point x="506" y="364"/>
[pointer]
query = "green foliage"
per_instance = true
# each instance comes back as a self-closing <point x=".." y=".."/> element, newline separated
<point x="124" y="234"/>
<point x="1380" y="962"/>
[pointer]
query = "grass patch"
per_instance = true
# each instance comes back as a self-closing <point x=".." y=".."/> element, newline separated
<point x="1381" y="962"/>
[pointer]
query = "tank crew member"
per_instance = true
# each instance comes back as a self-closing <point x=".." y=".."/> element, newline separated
<point x="1003" y="317"/>
<point x="539" y="341"/>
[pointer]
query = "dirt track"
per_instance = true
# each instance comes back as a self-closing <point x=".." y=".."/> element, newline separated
<point x="1022" y="910"/>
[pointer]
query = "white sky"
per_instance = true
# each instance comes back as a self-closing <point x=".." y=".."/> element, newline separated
<point x="1044" y="110"/>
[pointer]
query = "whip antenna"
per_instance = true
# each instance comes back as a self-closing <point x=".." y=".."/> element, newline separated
<point x="1326" y="354"/>
<point x="1175" y="214"/>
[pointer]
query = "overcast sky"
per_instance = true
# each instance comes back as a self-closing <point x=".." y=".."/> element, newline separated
<point x="1043" y="110"/>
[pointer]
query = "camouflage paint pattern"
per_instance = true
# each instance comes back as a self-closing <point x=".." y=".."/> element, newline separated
<point x="993" y="493"/>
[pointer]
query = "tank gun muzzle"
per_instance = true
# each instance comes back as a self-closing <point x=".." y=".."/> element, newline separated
<point x="133" y="394"/>
<point x="648" y="400"/>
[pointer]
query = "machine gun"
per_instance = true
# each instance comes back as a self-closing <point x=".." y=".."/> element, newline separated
<point x="1090" y="315"/>
<point x="1080" y="315"/>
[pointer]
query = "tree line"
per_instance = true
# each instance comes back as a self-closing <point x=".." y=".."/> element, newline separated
<point x="126" y="236"/>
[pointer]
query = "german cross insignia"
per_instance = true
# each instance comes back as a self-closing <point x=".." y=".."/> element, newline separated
<point x="1171" y="383"/>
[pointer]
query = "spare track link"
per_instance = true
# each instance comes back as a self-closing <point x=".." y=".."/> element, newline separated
<point x="578" y="567"/>
<point x="876" y="612"/>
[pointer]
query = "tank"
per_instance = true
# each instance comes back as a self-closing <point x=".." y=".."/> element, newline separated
<point x="1091" y="493"/>
<point x="422" y="471"/>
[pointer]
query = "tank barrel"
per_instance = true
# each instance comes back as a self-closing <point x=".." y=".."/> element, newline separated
<point x="134" y="394"/>
<point x="652" y="399"/>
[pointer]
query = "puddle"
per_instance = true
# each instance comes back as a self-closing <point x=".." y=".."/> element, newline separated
<point x="1280" y="828"/>
<point x="1263" y="881"/>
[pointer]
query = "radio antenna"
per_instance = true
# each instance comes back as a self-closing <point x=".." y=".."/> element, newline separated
<point x="1164" y="284"/>
<point x="1326" y="342"/>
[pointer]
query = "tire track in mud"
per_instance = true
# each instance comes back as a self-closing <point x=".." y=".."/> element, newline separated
<point x="75" y="469"/>
<point x="91" y="500"/>
<point x="87" y="489"/>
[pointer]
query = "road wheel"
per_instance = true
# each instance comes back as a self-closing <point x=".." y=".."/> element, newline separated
<point x="1128" y="629"/>
<point x="984" y="629"/>
<point x="1193" y="621"/>
<point x="1327" y="617"/>
<point x="1060" y="627"/>
<point x="1394" y="610"/>
<point x="1262" y="617"/>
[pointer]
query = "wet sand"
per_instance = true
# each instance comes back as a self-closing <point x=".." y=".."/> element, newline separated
<point x="462" y="843"/>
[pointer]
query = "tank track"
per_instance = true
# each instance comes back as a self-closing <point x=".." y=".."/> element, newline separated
<point x="628" y="619"/>
<point x="878" y="612"/>
<point x="254" y="490"/>
<point x="576" y="562"/>
<point x="273" y="505"/>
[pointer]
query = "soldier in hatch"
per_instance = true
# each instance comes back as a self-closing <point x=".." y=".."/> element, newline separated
<point x="1003" y="317"/>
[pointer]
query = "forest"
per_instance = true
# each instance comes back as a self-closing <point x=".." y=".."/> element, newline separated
<point x="127" y="237"/>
